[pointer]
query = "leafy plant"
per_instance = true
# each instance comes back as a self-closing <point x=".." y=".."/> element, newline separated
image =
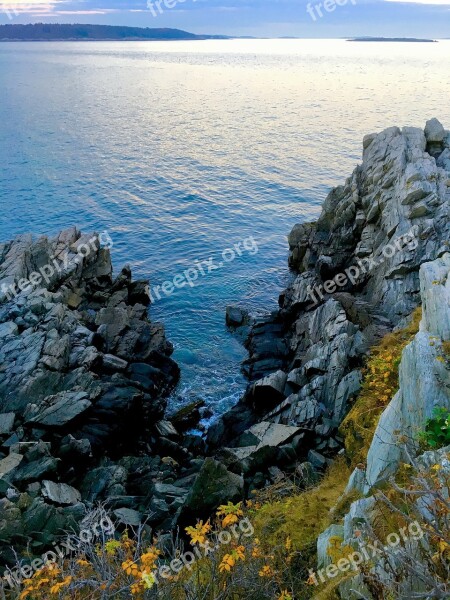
<point x="437" y="429"/>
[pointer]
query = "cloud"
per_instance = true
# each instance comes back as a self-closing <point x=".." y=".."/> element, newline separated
<point x="51" y="8"/>
<point x="52" y="12"/>
<point x="29" y="6"/>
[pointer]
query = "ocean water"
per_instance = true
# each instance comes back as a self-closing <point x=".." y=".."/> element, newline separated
<point x="182" y="150"/>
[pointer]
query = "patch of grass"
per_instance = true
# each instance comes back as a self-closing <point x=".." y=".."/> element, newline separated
<point x="437" y="430"/>
<point x="305" y="515"/>
<point x="380" y="384"/>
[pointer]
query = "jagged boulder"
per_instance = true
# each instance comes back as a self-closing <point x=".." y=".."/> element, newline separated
<point x="268" y="391"/>
<point x="434" y="132"/>
<point x="60" y="493"/>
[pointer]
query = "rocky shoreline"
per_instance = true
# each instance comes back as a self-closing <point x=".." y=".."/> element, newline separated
<point x="83" y="380"/>
<point x="85" y="374"/>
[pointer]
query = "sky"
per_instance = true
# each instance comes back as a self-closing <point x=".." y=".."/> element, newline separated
<point x="259" y="18"/>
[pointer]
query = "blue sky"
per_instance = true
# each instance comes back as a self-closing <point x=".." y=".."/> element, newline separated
<point x="424" y="18"/>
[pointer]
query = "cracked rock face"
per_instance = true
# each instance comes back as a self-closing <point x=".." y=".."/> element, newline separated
<point x="58" y="336"/>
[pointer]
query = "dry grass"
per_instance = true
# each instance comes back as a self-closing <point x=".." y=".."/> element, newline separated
<point x="380" y="384"/>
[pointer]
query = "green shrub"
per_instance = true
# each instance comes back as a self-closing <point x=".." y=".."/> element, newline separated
<point x="437" y="429"/>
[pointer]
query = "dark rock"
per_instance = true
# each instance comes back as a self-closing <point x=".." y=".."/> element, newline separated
<point x="169" y="491"/>
<point x="34" y="470"/>
<point x="268" y="392"/>
<point x="99" y="481"/>
<point x="188" y="417"/>
<point x="166" y="429"/>
<point x="236" y="317"/>
<point x="317" y="460"/>
<point x="60" y="409"/>
<point x="173" y="449"/>
<point x="145" y="375"/>
<point x="138" y="293"/>
<point x="6" y="422"/>
<point x="44" y="522"/>
<point x="128" y="516"/>
<point x="194" y="444"/>
<point x="159" y="510"/>
<point x="214" y="485"/>
<point x="113" y="364"/>
<point x="75" y="449"/>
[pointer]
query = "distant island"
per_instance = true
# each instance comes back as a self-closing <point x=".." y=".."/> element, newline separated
<point x="383" y="39"/>
<point x="46" y="32"/>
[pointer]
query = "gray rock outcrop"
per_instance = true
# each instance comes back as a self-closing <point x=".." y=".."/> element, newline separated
<point x="83" y="380"/>
<point x="357" y="278"/>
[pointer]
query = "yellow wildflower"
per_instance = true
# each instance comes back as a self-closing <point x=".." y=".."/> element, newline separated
<point x="111" y="547"/>
<point x="198" y="533"/>
<point x="229" y="520"/>
<point x="230" y="509"/>
<point x="239" y="553"/>
<point x="266" y="571"/>
<point x="228" y="561"/>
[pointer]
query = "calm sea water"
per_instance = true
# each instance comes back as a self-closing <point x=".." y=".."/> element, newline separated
<point x="182" y="149"/>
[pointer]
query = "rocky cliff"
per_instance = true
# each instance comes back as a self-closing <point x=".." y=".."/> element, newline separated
<point x="357" y="278"/>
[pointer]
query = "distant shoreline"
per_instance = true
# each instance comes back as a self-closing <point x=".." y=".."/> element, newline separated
<point x="68" y="32"/>
<point x="382" y="39"/>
